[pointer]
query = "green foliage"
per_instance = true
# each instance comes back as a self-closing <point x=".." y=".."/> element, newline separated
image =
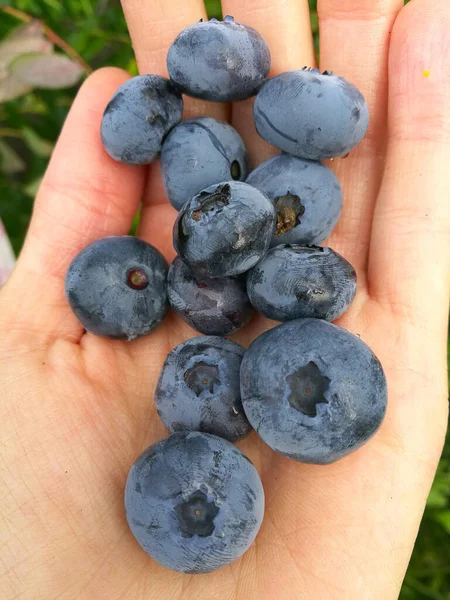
<point x="29" y="127"/>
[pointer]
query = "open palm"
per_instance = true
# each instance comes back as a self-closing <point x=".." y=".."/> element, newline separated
<point x="77" y="410"/>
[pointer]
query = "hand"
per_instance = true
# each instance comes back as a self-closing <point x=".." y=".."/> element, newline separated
<point x="77" y="410"/>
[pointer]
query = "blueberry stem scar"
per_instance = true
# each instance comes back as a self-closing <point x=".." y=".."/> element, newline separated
<point x="137" y="279"/>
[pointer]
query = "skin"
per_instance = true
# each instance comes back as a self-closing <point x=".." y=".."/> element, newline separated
<point x="71" y="430"/>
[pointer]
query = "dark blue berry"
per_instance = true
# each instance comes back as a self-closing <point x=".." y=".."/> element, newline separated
<point x="194" y="502"/>
<point x="313" y="391"/>
<point x="306" y="195"/>
<point x="224" y="230"/>
<point x="222" y="61"/>
<point x="293" y="282"/>
<point x="198" y="388"/>
<point x="311" y="115"/>
<point x="142" y="111"/>
<point x="198" y="153"/>
<point x="217" y="306"/>
<point x="116" y="287"/>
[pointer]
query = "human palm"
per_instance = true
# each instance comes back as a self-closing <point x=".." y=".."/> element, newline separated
<point x="77" y="410"/>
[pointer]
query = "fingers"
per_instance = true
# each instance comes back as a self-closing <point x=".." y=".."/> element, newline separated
<point x="354" y="40"/>
<point x="285" y="25"/>
<point x="85" y="195"/>
<point x="410" y="248"/>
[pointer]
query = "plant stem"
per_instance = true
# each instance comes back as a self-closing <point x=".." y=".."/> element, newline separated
<point x="52" y="36"/>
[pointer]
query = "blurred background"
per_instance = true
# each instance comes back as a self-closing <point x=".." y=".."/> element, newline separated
<point x="37" y="85"/>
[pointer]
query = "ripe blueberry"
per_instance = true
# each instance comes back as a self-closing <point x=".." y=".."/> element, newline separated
<point x="198" y="388"/>
<point x="306" y="195"/>
<point x="142" y="111"/>
<point x="222" y="61"/>
<point x="293" y="282"/>
<point x="224" y="230"/>
<point x="217" y="306"/>
<point x="314" y="392"/>
<point x="198" y="153"/>
<point x="311" y="115"/>
<point x="116" y="287"/>
<point x="194" y="502"/>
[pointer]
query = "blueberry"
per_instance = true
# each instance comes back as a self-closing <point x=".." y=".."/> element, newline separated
<point x="293" y="282"/>
<point x="217" y="306"/>
<point x="116" y="287"/>
<point x="221" y="61"/>
<point x="310" y="114"/>
<point x="224" y="230"/>
<point x="306" y="194"/>
<point x="142" y="111"/>
<point x="198" y="388"/>
<point x="200" y="152"/>
<point x="194" y="502"/>
<point x="313" y="391"/>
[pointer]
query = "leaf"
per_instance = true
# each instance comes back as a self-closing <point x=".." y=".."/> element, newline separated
<point x="11" y="88"/>
<point x="36" y="144"/>
<point x="10" y="161"/>
<point x="50" y="71"/>
<point x="23" y="40"/>
<point x="31" y="29"/>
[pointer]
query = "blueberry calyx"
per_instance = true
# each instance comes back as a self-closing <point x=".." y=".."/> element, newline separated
<point x="289" y="210"/>
<point x="229" y="19"/>
<point x="202" y="377"/>
<point x="137" y="279"/>
<point x="307" y="389"/>
<point x="196" y="515"/>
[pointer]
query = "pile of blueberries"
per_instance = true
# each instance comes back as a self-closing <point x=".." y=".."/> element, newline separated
<point x="311" y="390"/>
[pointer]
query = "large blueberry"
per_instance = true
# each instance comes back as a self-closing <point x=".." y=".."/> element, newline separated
<point x="200" y="152"/>
<point x="310" y="114"/>
<point x="116" y="287"/>
<point x="142" y="111"/>
<point x="224" y="230"/>
<point x="198" y="388"/>
<point x="217" y="306"/>
<point x="194" y="502"/>
<point x="222" y="61"/>
<point x="313" y="391"/>
<point x="293" y="282"/>
<point x="306" y="194"/>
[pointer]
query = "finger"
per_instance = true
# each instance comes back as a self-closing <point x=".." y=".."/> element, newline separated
<point x="410" y="250"/>
<point x="85" y="195"/>
<point x="285" y="25"/>
<point x="354" y="41"/>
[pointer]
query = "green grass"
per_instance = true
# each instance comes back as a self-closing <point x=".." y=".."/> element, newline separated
<point x="30" y="126"/>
